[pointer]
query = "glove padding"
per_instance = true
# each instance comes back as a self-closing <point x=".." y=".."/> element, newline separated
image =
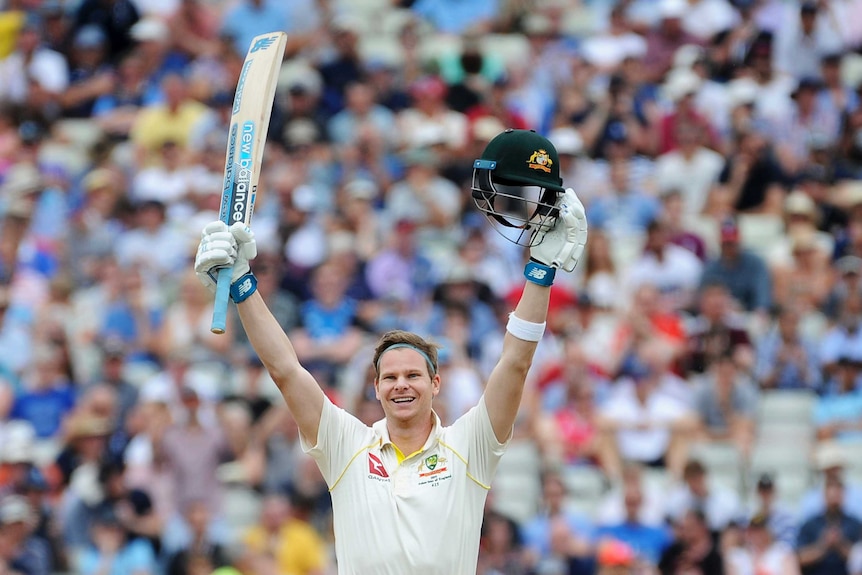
<point x="223" y="246"/>
<point x="563" y="245"/>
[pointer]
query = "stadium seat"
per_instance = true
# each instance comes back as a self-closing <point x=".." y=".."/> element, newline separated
<point x="778" y="459"/>
<point x="784" y="406"/>
<point x="511" y="48"/>
<point x="586" y="486"/>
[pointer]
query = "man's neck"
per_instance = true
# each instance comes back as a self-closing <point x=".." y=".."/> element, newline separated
<point x="409" y="438"/>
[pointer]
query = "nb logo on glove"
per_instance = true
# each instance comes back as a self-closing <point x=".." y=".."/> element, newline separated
<point x="537" y="273"/>
<point x="244" y="287"/>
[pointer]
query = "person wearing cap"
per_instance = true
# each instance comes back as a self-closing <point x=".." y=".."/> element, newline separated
<point x="115" y="17"/>
<point x="665" y="38"/>
<point x="397" y="485"/>
<point x="848" y="283"/>
<point x="781" y="521"/>
<point x="809" y="34"/>
<point x="838" y="411"/>
<point x="761" y="554"/>
<point x="112" y="552"/>
<point x="830" y="464"/>
<point x="743" y="272"/>
<point x="825" y="540"/>
<point x="430" y="120"/>
<point x="91" y="74"/>
<point x="809" y="125"/>
<point x="22" y="550"/>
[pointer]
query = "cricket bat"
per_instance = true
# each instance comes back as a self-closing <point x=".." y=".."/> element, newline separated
<point x="249" y="121"/>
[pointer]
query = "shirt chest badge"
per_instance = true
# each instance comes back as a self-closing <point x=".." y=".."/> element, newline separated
<point x="432" y="469"/>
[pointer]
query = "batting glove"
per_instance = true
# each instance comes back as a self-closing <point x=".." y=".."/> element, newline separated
<point x="223" y="246"/>
<point x="563" y="245"/>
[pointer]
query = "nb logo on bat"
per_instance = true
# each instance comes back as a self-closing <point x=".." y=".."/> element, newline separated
<point x="537" y="273"/>
<point x="263" y="44"/>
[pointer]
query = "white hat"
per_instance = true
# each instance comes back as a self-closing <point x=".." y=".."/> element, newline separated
<point x="741" y="92"/>
<point x="672" y="8"/>
<point x="798" y="202"/>
<point x="15" y="509"/>
<point x="681" y="82"/>
<point x="567" y="140"/>
<point x="18" y="442"/>
<point x="362" y="188"/>
<point x="149" y="29"/>
<point x="829" y="455"/>
<point x="686" y="55"/>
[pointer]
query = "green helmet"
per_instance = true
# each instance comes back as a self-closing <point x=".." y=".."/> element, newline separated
<point x="516" y="183"/>
<point x="524" y="157"/>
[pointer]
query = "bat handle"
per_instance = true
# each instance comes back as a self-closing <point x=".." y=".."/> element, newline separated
<point x="222" y="296"/>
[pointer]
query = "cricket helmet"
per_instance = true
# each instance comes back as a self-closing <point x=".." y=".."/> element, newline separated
<point x="516" y="183"/>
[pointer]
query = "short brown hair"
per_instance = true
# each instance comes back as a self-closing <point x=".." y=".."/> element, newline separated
<point x="397" y="336"/>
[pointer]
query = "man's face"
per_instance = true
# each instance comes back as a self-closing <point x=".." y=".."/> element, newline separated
<point x="405" y="387"/>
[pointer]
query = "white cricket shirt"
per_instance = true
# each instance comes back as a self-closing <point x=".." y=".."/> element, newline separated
<point x="419" y="517"/>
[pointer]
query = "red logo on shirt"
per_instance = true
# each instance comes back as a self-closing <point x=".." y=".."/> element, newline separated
<point x="375" y="466"/>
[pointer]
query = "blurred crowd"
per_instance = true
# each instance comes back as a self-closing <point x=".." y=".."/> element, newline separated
<point x="717" y="147"/>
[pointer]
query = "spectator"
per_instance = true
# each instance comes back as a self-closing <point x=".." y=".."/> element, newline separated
<point x="782" y="524"/>
<point x="361" y="112"/>
<point x="556" y="536"/>
<point x="344" y="66"/>
<point x="786" y="358"/>
<point x="114" y="17"/>
<point x="330" y="331"/>
<point x="693" y="548"/>
<point x="831" y="464"/>
<point x="48" y="395"/>
<point x="647" y="542"/>
<point x="172" y="121"/>
<point x="761" y="554"/>
<point x="201" y="554"/>
<point x="727" y="405"/>
<point x="34" y="75"/>
<point x="566" y="411"/>
<point x="500" y="546"/>
<point x="675" y="271"/>
<point x="691" y="168"/>
<point x="825" y="540"/>
<point x="625" y="212"/>
<point x="838" y="412"/>
<point x="91" y="75"/>
<point x="752" y="179"/>
<point x="720" y="505"/>
<point x="32" y="554"/>
<point x="111" y="552"/>
<point x="640" y="422"/>
<point x="665" y="38"/>
<point x="804" y="39"/>
<point x="743" y="272"/>
<point x="283" y="537"/>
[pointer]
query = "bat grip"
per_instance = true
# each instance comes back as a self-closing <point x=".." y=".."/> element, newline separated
<point x="222" y="296"/>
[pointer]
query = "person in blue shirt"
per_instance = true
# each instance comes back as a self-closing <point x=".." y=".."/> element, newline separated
<point x="824" y="540"/>
<point x="624" y="211"/>
<point x="48" y="395"/>
<point x="743" y="272"/>
<point x="542" y="528"/>
<point x="646" y="541"/>
<point x="458" y="16"/>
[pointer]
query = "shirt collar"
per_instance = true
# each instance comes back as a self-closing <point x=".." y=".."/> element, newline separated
<point x="382" y="431"/>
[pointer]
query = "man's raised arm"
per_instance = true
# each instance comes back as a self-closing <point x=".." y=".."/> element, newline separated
<point x="561" y="247"/>
<point x="235" y="246"/>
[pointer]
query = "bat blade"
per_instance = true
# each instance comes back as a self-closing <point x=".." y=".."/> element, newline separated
<point x="252" y="108"/>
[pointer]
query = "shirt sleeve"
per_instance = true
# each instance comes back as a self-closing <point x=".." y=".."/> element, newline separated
<point x="474" y="439"/>
<point x="340" y="437"/>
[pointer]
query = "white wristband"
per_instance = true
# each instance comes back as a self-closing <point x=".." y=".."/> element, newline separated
<point x="526" y="330"/>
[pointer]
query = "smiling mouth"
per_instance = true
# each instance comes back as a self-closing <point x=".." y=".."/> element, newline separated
<point x="403" y="400"/>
